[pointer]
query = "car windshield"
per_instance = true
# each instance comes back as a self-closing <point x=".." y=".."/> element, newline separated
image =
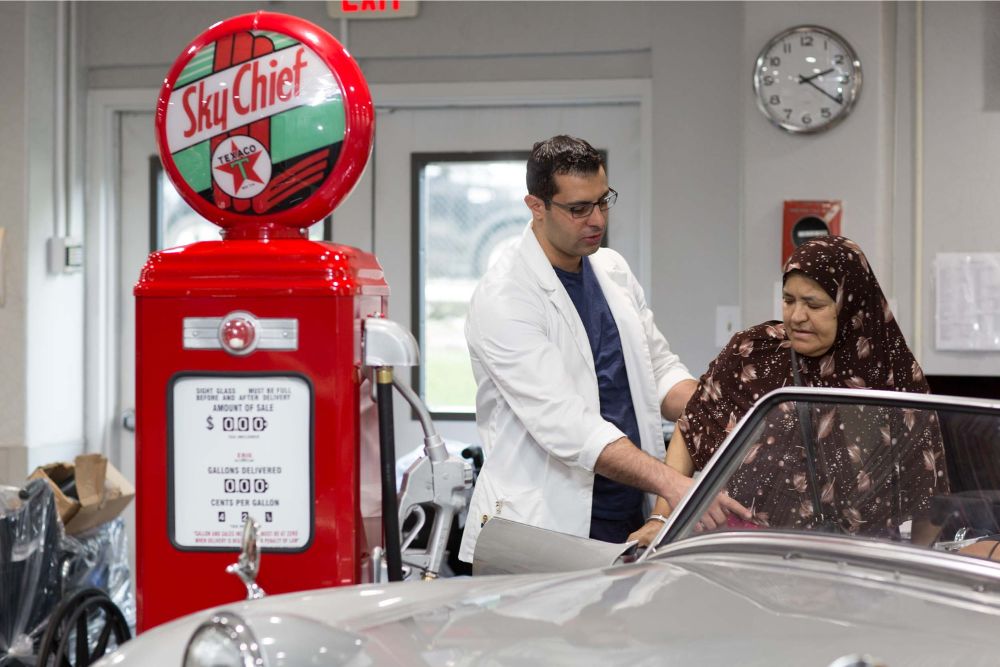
<point x="867" y="465"/>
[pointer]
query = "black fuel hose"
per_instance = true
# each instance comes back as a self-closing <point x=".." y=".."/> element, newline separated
<point x="387" y="454"/>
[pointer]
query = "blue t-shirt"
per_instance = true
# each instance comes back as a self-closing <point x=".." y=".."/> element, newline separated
<point x="612" y="500"/>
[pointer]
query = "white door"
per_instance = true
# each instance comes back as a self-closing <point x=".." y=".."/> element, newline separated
<point x="138" y="147"/>
<point x="403" y="132"/>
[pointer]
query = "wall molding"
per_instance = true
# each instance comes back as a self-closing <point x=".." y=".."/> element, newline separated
<point x="101" y="368"/>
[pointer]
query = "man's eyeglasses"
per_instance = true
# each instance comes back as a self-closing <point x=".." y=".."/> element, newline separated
<point x="585" y="209"/>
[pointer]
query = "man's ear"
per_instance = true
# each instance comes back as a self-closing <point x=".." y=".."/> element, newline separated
<point x="536" y="205"/>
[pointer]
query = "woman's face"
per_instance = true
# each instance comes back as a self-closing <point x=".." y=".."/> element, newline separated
<point x="810" y="315"/>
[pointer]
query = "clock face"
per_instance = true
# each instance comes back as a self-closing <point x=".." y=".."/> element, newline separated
<point x="807" y="79"/>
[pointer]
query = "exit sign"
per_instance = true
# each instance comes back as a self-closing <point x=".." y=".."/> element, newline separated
<point x="371" y="9"/>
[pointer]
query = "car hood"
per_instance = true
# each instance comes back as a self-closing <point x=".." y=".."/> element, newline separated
<point x="705" y="609"/>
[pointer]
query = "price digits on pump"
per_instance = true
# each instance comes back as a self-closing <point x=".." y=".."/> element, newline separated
<point x="238" y="424"/>
<point x="244" y="485"/>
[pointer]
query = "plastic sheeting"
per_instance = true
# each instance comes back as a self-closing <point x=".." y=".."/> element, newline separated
<point x="40" y="565"/>
<point x="98" y="558"/>
<point x="30" y="538"/>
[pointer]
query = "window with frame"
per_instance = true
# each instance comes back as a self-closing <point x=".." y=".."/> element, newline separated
<point x="467" y="208"/>
<point x="173" y="223"/>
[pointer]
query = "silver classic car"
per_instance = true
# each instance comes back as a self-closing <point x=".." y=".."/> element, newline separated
<point x="872" y="543"/>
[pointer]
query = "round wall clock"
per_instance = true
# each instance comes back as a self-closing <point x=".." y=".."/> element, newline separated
<point x="807" y="79"/>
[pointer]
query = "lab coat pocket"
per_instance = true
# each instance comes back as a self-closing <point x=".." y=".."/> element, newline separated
<point x="520" y="507"/>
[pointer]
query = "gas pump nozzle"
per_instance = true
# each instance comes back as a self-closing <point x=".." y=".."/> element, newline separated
<point x="437" y="480"/>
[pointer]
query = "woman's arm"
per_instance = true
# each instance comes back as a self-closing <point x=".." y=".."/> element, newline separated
<point x="678" y="456"/>
<point x="679" y="459"/>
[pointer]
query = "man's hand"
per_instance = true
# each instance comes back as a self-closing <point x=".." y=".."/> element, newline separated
<point x="623" y="462"/>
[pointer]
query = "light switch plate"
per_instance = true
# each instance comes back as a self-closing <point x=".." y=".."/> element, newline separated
<point x="3" y="268"/>
<point x="65" y="254"/>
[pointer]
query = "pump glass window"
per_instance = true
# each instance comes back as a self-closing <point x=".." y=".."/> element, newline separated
<point x="174" y="223"/>
<point x="467" y="209"/>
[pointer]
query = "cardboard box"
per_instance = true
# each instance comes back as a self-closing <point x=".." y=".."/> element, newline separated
<point x="103" y="491"/>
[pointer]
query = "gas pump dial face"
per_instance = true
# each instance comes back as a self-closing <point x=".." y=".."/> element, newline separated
<point x="264" y="119"/>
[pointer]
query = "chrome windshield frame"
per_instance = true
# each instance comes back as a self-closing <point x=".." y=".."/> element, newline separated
<point x="731" y="451"/>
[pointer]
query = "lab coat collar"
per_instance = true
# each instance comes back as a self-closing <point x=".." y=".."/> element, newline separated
<point x="540" y="267"/>
<point x="538" y="263"/>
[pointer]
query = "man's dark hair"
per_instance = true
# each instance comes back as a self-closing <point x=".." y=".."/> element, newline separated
<point x="561" y="154"/>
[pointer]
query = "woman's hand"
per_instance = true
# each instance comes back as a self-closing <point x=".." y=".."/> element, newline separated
<point x="722" y="505"/>
<point x="645" y="535"/>
<point x="717" y="515"/>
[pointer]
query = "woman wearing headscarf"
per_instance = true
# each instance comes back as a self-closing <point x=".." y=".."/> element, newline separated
<point x="837" y="331"/>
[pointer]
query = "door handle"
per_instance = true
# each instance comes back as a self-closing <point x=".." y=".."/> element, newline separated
<point x="128" y="420"/>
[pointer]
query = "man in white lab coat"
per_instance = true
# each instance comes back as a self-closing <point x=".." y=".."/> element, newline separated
<point x="572" y="374"/>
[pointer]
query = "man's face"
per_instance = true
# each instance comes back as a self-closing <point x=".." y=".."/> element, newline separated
<point x="566" y="239"/>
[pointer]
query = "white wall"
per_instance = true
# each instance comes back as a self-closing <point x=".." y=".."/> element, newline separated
<point x="961" y="195"/>
<point x="41" y="321"/>
<point x="699" y="82"/>
<point x="54" y="316"/>
<point x="13" y="190"/>
<point x="852" y="162"/>
<point x="447" y="41"/>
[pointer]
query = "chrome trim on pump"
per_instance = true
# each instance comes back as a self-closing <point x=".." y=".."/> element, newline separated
<point x="275" y="333"/>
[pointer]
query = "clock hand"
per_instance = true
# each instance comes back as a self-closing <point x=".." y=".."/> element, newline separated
<point x="807" y="79"/>
<point x="839" y="99"/>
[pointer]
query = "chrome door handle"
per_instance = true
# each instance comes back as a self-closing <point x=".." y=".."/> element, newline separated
<point x="128" y="420"/>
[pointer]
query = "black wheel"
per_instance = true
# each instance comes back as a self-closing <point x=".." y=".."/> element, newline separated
<point x="88" y="609"/>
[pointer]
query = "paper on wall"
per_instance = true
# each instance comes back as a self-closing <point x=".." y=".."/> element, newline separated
<point x="967" y="309"/>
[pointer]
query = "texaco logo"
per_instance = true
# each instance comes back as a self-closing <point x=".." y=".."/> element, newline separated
<point x="241" y="166"/>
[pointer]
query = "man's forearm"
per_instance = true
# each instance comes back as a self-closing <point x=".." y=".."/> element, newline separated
<point x="623" y="462"/>
<point x="677" y="399"/>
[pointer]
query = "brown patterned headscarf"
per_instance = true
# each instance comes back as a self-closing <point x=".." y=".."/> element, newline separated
<point x="869" y="351"/>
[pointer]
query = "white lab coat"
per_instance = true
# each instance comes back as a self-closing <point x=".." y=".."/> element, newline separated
<point x="537" y="404"/>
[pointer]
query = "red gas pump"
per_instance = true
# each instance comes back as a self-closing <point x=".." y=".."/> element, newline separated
<point x="249" y="349"/>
